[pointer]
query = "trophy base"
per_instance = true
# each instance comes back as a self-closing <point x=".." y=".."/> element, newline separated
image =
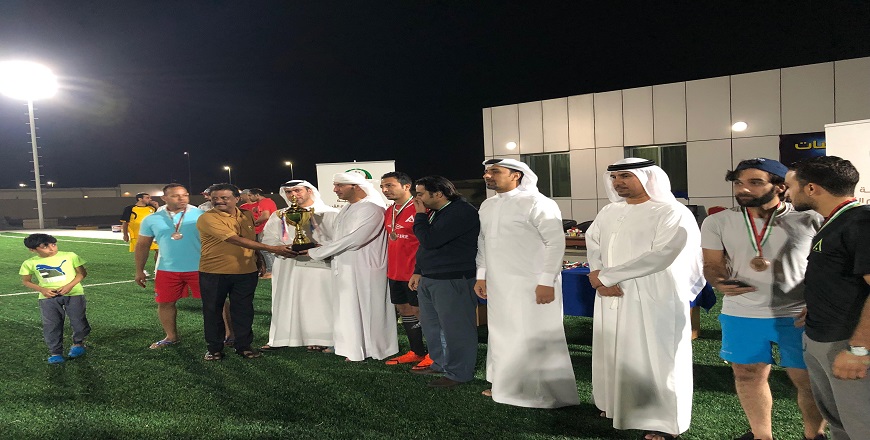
<point x="302" y="247"/>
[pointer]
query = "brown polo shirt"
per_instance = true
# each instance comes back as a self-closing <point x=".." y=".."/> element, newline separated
<point x="219" y="256"/>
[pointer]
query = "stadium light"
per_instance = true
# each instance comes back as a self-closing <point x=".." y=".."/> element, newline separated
<point x="229" y="173"/>
<point x="289" y="164"/>
<point x="27" y="81"/>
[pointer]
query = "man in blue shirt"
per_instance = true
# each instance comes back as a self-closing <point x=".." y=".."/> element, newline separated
<point x="177" y="271"/>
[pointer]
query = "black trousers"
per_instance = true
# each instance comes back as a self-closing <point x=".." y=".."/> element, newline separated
<point x="215" y="288"/>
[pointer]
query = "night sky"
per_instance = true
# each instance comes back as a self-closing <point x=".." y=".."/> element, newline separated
<point x="254" y="83"/>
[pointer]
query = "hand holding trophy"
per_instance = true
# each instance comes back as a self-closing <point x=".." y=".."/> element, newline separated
<point x="298" y="218"/>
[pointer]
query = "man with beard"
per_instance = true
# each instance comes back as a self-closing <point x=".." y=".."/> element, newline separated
<point x="756" y="255"/>
<point x="519" y="262"/>
<point x="365" y="323"/>
<point x="302" y="298"/>
<point x="401" y="258"/>
<point x="645" y="256"/>
<point x="837" y="290"/>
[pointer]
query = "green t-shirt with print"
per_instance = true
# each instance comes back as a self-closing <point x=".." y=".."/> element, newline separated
<point x="53" y="272"/>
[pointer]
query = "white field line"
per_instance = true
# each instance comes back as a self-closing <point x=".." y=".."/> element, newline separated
<point x="65" y="240"/>
<point x="31" y="292"/>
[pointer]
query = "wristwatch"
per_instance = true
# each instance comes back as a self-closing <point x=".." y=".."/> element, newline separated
<point x="859" y="351"/>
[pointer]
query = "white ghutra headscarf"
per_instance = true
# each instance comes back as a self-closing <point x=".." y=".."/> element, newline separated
<point x="530" y="179"/>
<point x="352" y="178"/>
<point x="654" y="179"/>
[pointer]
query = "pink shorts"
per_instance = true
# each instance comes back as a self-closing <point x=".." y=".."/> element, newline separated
<point x="172" y="286"/>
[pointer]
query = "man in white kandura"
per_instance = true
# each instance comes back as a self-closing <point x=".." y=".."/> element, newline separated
<point x="365" y="321"/>
<point x="519" y="261"/>
<point x="302" y="296"/>
<point x="644" y="250"/>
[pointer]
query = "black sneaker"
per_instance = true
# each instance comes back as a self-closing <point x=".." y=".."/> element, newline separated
<point x="748" y="436"/>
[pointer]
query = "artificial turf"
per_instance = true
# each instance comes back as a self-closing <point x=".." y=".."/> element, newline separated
<point x="121" y="389"/>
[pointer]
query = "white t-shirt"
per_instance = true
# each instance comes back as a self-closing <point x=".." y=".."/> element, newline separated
<point x="780" y="288"/>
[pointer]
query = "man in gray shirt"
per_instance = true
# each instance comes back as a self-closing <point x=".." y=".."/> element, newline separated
<point x="756" y="255"/>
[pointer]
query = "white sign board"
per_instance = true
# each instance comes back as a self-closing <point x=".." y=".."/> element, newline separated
<point x="371" y="170"/>
<point x="851" y="140"/>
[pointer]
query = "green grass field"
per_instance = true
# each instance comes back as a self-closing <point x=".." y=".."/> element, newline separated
<point x="122" y="390"/>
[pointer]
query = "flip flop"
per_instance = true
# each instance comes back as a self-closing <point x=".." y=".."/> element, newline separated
<point x="268" y="347"/>
<point x="315" y="348"/>
<point x="161" y="344"/>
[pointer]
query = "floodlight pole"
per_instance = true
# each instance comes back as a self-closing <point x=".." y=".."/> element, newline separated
<point x="189" y="178"/>
<point x="35" y="164"/>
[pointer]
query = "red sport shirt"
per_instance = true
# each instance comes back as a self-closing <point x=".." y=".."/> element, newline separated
<point x="401" y="252"/>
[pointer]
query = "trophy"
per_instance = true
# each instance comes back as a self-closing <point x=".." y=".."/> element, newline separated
<point x="299" y="219"/>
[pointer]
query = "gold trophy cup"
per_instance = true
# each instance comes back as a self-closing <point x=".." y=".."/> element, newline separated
<point x="298" y="218"/>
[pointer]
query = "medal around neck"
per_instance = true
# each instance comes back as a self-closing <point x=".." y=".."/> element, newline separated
<point x="759" y="264"/>
<point x="298" y="218"/>
<point x="176" y="236"/>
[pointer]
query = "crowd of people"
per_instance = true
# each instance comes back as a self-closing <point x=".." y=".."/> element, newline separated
<point x="793" y="274"/>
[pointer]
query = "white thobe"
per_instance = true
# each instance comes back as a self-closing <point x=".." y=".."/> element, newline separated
<point x="641" y="342"/>
<point x="365" y="321"/>
<point x="302" y="295"/>
<point x="520" y="246"/>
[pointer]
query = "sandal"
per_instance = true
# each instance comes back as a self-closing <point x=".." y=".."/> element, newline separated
<point x="229" y="342"/>
<point x="268" y="347"/>
<point x="249" y="354"/>
<point x="162" y="343"/>
<point x="328" y="350"/>
<point x="315" y="348"/>
<point x="214" y="356"/>
<point x="487" y="393"/>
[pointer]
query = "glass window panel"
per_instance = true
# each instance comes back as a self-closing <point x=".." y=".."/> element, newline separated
<point x="561" y="181"/>
<point x="649" y="153"/>
<point x="540" y="164"/>
<point x="675" y="164"/>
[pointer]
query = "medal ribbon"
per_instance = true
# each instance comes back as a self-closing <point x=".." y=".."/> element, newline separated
<point x="841" y="208"/>
<point x="177" y="225"/>
<point x="432" y="214"/>
<point x="758" y="239"/>
<point x="395" y="213"/>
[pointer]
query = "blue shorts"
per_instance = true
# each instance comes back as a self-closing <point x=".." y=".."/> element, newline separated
<point x="750" y="341"/>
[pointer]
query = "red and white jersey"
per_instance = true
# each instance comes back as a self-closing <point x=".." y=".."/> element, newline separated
<point x="402" y="244"/>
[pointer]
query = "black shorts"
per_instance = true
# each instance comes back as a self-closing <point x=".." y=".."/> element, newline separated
<point x="400" y="293"/>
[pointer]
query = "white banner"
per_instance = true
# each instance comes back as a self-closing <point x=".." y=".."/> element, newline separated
<point x="371" y="170"/>
<point x="851" y="140"/>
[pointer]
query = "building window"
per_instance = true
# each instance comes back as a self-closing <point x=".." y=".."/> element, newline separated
<point x="672" y="159"/>
<point x="554" y="173"/>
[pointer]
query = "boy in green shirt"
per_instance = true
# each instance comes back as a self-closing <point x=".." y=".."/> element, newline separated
<point x="58" y="277"/>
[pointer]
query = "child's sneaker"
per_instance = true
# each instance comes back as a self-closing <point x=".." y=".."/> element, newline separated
<point x="76" y="351"/>
<point x="55" y="359"/>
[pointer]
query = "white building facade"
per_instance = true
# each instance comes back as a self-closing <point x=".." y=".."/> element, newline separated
<point x="686" y="126"/>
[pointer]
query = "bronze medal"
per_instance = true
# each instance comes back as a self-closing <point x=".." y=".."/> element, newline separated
<point x="394" y="236"/>
<point x="759" y="264"/>
<point x="176" y="236"/>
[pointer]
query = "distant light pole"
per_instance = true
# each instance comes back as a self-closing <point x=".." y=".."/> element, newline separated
<point x="22" y="185"/>
<point x="289" y="164"/>
<point x="189" y="178"/>
<point x="28" y="81"/>
<point x="229" y="173"/>
<point x="50" y="183"/>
